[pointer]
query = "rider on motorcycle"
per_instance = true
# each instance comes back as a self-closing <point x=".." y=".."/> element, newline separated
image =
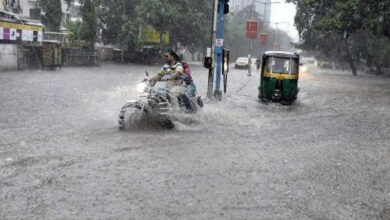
<point x="172" y="70"/>
<point x="174" y="75"/>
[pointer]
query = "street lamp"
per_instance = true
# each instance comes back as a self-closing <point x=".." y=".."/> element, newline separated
<point x="277" y="30"/>
<point x="265" y="22"/>
<point x="265" y="10"/>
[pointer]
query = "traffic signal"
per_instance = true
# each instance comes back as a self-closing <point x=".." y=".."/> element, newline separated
<point x="225" y="6"/>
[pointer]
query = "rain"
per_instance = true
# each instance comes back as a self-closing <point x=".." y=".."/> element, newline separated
<point x="321" y="152"/>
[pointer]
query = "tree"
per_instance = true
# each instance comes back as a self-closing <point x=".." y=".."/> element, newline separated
<point x="120" y="24"/>
<point x="161" y="15"/>
<point x="337" y="23"/>
<point x="74" y="29"/>
<point x="52" y="14"/>
<point x="89" y="22"/>
<point x="193" y="27"/>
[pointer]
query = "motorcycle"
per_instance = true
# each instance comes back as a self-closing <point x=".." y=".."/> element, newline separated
<point x="158" y="103"/>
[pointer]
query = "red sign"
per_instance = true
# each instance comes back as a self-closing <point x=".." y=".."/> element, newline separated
<point x="251" y="29"/>
<point x="263" y="39"/>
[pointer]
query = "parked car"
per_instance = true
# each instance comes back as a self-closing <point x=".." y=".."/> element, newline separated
<point x="241" y="62"/>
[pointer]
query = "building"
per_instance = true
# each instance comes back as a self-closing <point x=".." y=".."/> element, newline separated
<point x="73" y="12"/>
<point x="263" y="7"/>
<point x="2" y="3"/>
<point x="19" y="40"/>
<point x="31" y="9"/>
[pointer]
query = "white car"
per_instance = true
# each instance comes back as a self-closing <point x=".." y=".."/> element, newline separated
<point x="241" y="62"/>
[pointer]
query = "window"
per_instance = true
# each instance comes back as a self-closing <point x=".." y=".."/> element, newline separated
<point x="281" y="65"/>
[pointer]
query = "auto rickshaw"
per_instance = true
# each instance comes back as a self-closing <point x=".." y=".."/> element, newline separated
<point x="279" y="77"/>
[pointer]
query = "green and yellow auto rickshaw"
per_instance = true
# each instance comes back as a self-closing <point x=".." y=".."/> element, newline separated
<point x="279" y="77"/>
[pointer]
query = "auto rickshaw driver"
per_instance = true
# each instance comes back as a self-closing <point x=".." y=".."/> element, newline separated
<point x="279" y="66"/>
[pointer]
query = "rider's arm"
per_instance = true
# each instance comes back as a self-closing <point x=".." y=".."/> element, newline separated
<point x="152" y="81"/>
<point x="157" y="77"/>
<point x="178" y="72"/>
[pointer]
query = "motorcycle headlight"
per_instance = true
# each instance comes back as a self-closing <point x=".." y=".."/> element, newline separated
<point x="141" y="87"/>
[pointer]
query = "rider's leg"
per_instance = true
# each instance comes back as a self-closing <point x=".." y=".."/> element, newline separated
<point x="191" y="90"/>
<point x="190" y="93"/>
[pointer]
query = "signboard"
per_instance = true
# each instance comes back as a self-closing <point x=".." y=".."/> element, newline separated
<point x="219" y="42"/>
<point x="5" y="24"/>
<point x="15" y="31"/>
<point x="150" y="35"/>
<point x="263" y="39"/>
<point x="27" y="35"/>
<point x="251" y="29"/>
<point x="6" y="34"/>
<point x="39" y="36"/>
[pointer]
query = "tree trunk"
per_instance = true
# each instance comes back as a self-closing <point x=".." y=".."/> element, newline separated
<point x="350" y="60"/>
<point x="122" y="53"/>
<point x="161" y="41"/>
<point x="353" y="67"/>
<point x="378" y="69"/>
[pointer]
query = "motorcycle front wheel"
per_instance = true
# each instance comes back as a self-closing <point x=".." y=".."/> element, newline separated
<point x="129" y="116"/>
<point x="167" y="123"/>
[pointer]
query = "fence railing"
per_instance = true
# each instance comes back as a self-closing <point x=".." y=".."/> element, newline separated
<point x="80" y="57"/>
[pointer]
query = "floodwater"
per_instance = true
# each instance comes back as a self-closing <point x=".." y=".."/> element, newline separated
<point x="62" y="156"/>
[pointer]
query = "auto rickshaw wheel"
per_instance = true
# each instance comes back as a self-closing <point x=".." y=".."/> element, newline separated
<point x="286" y="102"/>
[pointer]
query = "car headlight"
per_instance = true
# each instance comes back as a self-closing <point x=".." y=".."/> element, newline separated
<point x="141" y="87"/>
<point x="303" y="69"/>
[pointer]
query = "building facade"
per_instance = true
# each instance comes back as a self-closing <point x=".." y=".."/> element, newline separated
<point x="31" y="9"/>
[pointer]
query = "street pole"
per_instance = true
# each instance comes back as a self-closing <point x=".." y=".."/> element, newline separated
<point x="250" y="46"/>
<point x="218" y="50"/>
<point x="265" y="10"/>
<point x="265" y="15"/>
<point x="277" y="33"/>
<point x="213" y="37"/>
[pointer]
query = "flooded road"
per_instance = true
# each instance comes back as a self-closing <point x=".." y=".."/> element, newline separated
<point x="327" y="156"/>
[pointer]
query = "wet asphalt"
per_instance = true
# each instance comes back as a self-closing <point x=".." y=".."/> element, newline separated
<point x="62" y="156"/>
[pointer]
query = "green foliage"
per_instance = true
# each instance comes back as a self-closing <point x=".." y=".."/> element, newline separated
<point x="89" y="24"/>
<point x="194" y="25"/>
<point x="334" y="27"/>
<point x="52" y="14"/>
<point x="187" y="22"/>
<point x="74" y="33"/>
<point x="160" y="14"/>
<point x="120" y="23"/>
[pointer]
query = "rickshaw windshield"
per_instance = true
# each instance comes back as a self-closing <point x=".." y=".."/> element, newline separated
<point x="281" y="65"/>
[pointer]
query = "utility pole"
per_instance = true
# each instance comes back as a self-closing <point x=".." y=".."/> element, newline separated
<point x="277" y="30"/>
<point x="250" y="43"/>
<point x="213" y="37"/>
<point x="265" y="11"/>
<point x="223" y="8"/>
<point x="250" y="46"/>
